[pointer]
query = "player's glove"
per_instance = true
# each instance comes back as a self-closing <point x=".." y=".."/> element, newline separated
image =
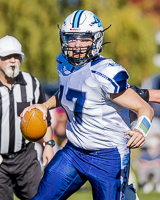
<point x="143" y="93"/>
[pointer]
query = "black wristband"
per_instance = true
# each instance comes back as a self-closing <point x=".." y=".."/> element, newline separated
<point x="143" y="93"/>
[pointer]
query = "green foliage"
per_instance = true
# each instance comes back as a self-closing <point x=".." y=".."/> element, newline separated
<point x="131" y="35"/>
<point x="133" y="44"/>
<point x="34" y="24"/>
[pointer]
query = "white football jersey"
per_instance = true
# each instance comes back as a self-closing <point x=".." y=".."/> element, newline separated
<point x="95" y="121"/>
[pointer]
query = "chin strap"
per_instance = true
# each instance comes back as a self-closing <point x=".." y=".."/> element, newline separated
<point x="105" y="30"/>
<point x="107" y="27"/>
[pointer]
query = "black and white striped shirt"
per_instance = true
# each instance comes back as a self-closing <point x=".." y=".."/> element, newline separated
<point x="26" y="91"/>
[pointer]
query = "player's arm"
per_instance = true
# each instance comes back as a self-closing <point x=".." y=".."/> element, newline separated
<point x="48" y="149"/>
<point x="132" y="101"/>
<point x="51" y="103"/>
<point x="149" y="95"/>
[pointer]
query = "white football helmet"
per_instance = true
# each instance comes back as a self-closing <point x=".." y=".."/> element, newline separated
<point x="81" y="23"/>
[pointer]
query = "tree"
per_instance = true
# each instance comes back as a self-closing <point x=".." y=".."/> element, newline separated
<point x="34" y="24"/>
<point x="131" y="34"/>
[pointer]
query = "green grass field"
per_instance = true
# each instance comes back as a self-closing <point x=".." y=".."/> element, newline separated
<point x="87" y="195"/>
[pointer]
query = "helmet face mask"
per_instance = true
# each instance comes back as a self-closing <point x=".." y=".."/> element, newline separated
<point x="83" y="26"/>
<point x="75" y="57"/>
<point x="77" y="47"/>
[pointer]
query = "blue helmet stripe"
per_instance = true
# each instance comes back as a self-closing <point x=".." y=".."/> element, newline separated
<point x="76" y="18"/>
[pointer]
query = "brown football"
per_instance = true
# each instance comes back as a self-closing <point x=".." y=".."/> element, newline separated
<point x="33" y="126"/>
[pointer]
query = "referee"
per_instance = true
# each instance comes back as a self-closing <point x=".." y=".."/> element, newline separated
<point x="20" y="170"/>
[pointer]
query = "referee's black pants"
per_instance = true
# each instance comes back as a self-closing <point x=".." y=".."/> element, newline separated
<point x="20" y="174"/>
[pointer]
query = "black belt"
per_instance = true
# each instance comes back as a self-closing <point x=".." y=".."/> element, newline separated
<point x="13" y="155"/>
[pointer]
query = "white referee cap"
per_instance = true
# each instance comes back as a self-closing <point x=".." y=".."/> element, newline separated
<point x="10" y="45"/>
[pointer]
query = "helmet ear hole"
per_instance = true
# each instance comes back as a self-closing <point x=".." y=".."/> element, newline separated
<point x="97" y="43"/>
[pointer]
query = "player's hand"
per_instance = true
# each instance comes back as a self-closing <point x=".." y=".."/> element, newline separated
<point x="47" y="154"/>
<point x="41" y="107"/>
<point x="136" y="139"/>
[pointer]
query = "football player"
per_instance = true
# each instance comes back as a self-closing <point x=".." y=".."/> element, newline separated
<point x="95" y="94"/>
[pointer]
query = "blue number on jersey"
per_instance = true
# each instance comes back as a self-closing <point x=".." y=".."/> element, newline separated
<point x="61" y="87"/>
<point x="78" y="97"/>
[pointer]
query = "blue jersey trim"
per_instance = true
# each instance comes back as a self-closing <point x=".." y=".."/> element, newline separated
<point x="121" y="76"/>
<point x="76" y="18"/>
<point x="104" y="76"/>
<point x="97" y="60"/>
<point x="121" y="79"/>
